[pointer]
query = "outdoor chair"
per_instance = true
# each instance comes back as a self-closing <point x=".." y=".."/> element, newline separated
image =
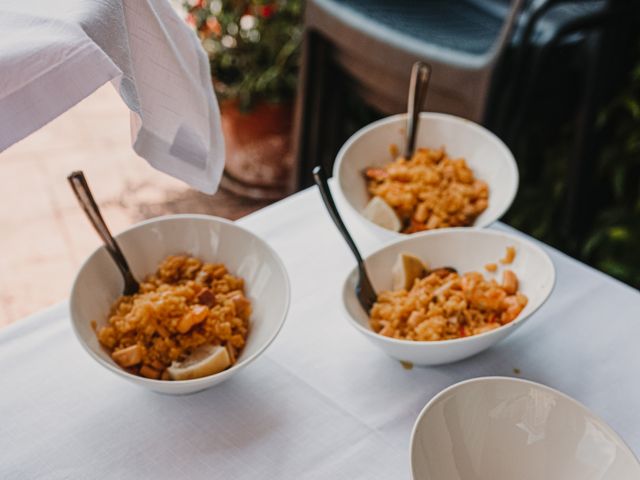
<point x="484" y="54"/>
<point x="570" y="62"/>
<point x="368" y="46"/>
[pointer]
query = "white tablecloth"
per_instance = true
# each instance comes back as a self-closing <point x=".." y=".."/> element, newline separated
<point x="322" y="403"/>
<point x="54" y="53"/>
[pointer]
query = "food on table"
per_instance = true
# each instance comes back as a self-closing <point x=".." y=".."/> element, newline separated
<point x="509" y="256"/>
<point x="405" y="271"/>
<point x="509" y="282"/>
<point x="430" y="190"/>
<point x="190" y="319"/>
<point x="443" y="305"/>
<point x="491" y="267"/>
<point x="380" y="213"/>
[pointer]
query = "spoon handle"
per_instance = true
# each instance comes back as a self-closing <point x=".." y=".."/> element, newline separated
<point x="320" y="177"/>
<point x="81" y="189"/>
<point x="364" y="289"/>
<point x="420" y="74"/>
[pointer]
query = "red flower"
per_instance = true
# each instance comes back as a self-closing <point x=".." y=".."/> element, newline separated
<point x="214" y="26"/>
<point x="267" y="10"/>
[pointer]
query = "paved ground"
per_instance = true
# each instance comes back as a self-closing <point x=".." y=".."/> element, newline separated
<point x="44" y="235"/>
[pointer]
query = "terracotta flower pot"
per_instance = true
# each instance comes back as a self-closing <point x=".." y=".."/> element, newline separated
<point x="258" y="146"/>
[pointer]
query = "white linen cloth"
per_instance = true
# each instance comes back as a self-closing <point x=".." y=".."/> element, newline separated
<point x="54" y="53"/>
<point x="321" y="403"/>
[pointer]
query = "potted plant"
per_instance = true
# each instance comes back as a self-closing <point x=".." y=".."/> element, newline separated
<point x="253" y="47"/>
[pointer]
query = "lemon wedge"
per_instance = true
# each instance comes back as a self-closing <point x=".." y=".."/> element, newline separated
<point x="405" y="271"/>
<point x="203" y="361"/>
<point x="381" y="213"/>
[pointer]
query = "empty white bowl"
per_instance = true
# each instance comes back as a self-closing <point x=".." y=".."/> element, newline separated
<point x="486" y="155"/>
<point x="499" y="428"/>
<point x="99" y="283"/>
<point x="466" y="250"/>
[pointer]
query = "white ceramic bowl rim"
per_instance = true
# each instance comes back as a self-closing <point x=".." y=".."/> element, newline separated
<point x="444" y="231"/>
<point x="448" y="389"/>
<point x="195" y="381"/>
<point x="428" y="115"/>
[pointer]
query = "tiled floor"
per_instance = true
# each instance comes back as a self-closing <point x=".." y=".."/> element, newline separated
<point x="44" y="235"/>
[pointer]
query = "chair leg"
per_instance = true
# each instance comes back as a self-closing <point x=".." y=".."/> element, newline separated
<point x="578" y="180"/>
<point x="513" y="128"/>
<point x="312" y="91"/>
<point x="334" y="114"/>
<point x="521" y="51"/>
<point x="580" y="174"/>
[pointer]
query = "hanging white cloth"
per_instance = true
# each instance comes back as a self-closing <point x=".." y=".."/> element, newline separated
<point x="54" y="53"/>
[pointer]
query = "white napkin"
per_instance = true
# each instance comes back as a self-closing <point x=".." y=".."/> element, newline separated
<point x="54" y="53"/>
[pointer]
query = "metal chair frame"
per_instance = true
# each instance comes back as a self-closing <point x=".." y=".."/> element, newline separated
<point x="465" y="79"/>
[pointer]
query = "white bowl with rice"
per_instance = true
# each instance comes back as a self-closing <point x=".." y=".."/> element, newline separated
<point x="99" y="284"/>
<point x="485" y="154"/>
<point x="466" y="250"/>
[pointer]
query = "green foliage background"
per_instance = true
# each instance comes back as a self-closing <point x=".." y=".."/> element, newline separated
<point x="253" y="46"/>
<point x="612" y="241"/>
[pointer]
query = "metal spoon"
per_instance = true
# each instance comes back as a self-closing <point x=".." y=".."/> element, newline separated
<point x="83" y="193"/>
<point x="364" y="290"/>
<point x="420" y="75"/>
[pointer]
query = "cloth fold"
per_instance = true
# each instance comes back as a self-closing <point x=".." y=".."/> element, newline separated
<point x="54" y="53"/>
